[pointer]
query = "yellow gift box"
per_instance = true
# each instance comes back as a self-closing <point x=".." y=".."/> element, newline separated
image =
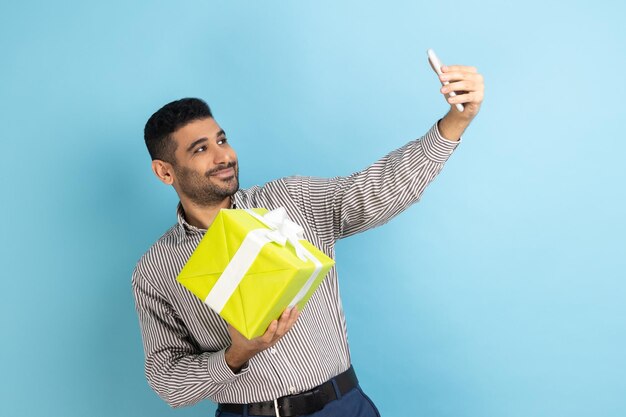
<point x="253" y="264"/>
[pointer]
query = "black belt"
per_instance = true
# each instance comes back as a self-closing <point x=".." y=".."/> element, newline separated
<point x="304" y="403"/>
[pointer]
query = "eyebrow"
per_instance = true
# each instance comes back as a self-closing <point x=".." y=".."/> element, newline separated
<point x="203" y="139"/>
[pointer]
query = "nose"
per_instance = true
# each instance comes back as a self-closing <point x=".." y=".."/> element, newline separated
<point x="223" y="156"/>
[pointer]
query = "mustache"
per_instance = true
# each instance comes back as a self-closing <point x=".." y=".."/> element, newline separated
<point x="232" y="164"/>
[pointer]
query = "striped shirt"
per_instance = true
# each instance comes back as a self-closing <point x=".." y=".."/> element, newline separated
<point x="184" y="340"/>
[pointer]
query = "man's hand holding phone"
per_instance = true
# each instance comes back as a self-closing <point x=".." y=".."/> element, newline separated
<point x="463" y="87"/>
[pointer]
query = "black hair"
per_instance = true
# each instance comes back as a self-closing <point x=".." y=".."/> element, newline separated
<point x="167" y="120"/>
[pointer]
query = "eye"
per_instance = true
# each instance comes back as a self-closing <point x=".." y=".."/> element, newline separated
<point x="222" y="140"/>
<point x="200" y="149"/>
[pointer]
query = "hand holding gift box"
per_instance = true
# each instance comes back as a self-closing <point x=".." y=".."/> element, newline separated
<point x="253" y="264"/>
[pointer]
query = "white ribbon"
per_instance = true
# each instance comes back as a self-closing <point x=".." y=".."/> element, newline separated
<point x="280" y="230"/>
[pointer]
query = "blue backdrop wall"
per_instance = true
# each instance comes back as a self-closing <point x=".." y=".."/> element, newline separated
<point x="500" y="294"/>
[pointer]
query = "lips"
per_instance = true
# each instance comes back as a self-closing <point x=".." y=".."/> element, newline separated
<point x="224" y="173"/>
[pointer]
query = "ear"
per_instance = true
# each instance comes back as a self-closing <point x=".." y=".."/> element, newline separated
<point x="164" y="171"/>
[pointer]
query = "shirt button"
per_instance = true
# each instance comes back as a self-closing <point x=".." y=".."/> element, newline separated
<point x="292" y="390"/>
<point x="273" y="350"/>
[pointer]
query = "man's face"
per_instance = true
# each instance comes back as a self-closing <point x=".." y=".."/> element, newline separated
<point x="206" y="168"/>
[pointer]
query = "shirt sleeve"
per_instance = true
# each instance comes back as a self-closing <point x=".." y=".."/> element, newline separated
<point x="175" y="369"/>
<point x="343" y="206"/>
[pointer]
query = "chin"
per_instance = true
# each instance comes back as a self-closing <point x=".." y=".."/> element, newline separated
<point x="231" y="187"/>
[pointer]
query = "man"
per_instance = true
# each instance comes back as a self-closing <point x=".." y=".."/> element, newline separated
<point x="301" y="365"/>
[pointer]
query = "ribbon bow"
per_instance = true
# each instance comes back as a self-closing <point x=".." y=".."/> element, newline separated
<point x="283" y="229"/>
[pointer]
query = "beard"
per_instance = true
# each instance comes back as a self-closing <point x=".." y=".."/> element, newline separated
<point x="204" y="189"/>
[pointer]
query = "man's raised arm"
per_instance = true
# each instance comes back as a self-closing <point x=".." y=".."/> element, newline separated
<point x="343" y="206"/>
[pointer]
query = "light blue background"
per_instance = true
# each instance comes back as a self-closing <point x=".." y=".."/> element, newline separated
<point x="500" y="294"/>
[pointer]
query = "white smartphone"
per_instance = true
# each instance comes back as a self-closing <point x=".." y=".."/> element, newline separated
<point x="436" y="64"/>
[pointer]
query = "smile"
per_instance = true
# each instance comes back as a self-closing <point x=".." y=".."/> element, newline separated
<point x="224" y="173"/>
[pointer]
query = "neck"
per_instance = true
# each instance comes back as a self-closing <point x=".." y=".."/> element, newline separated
<point x="202" y="216"/>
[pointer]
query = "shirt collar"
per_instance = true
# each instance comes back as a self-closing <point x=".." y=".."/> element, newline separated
<point x="186" y="229"/>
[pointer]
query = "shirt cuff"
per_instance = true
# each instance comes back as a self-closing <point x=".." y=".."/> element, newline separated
<point x="436" y="147"/>
<point x="220" y="371"/>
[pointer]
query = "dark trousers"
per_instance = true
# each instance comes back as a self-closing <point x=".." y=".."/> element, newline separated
<point x="353" y="404"/>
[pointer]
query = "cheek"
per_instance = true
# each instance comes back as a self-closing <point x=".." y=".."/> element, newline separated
<point x="196" y="169"/>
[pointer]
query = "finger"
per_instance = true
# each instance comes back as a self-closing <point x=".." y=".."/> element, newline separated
<point x="460" y="68"/>
<point x="459" y="86"/>
<point x="288" y="322"/>
<point x="283" y="322"/>
<point x="293" y="317"/>
<point x="472" y="97"/>
<point x="270" y="333"/>
<point x="460" y="75"/>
